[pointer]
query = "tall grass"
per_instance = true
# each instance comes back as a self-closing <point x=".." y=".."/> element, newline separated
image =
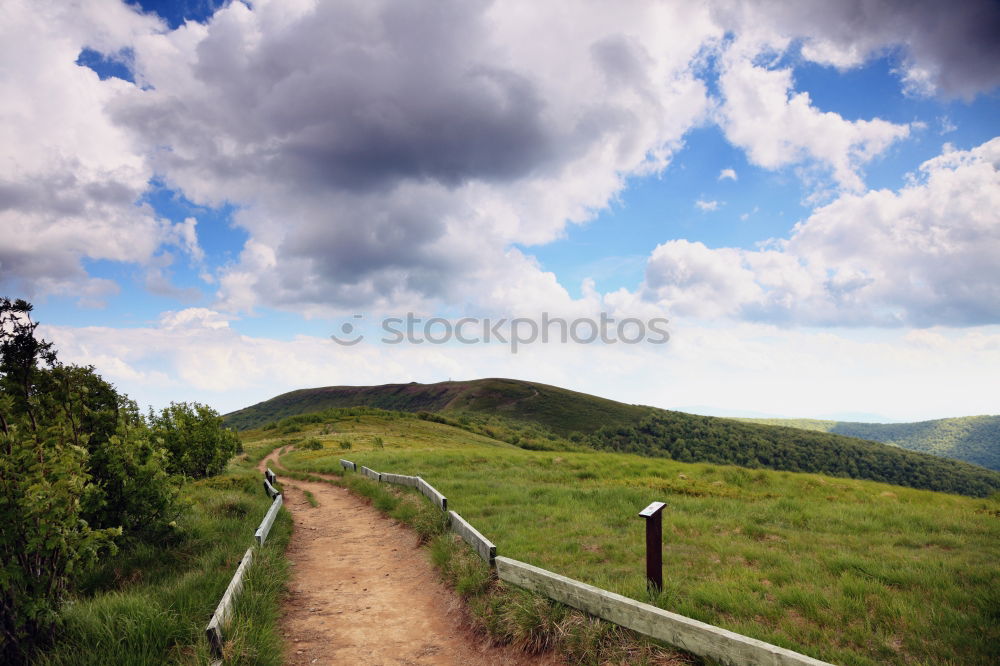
<point x="150" y="605"/>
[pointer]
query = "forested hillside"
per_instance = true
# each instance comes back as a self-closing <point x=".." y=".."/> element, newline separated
<point x="690" y="438"/>
<point x="974" y="439"/>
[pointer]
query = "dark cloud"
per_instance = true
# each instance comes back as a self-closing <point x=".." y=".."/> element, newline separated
<point x="354" y="100"/>
<point x="954" y="44"/>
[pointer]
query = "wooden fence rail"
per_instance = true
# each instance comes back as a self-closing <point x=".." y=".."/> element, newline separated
<point x="370" y="473"/>
<point x="432" y="494"/>
<point x="400" y="479"/>
<point x="471" y="535"/>
<point x="265" y="526"/>
<point x="703" y="639"/>
<point x="220" y="618"/>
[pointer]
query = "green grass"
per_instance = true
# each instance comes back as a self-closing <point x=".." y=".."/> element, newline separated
<point x="852" y="572"/>
<point x="151" y="605"/>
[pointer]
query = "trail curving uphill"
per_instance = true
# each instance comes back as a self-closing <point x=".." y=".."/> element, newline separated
<point x="363" y="592"/>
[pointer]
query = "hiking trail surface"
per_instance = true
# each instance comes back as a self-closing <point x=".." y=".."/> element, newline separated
<point x="362" y="591"/>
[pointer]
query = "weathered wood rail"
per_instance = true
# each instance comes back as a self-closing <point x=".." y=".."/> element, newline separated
<point x="265" y="525"/>
<point x="724" y="646"/>
<point x="486" y="549"/>
<point x="703" y="639"/>
<point x="223" y="612"/>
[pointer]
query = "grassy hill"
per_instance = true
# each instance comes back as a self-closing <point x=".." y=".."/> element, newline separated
<point x="539" y="416"/>
<point x="560" y="410"/>
<point x="974" y="439"/>
<point x="852" y="572"/>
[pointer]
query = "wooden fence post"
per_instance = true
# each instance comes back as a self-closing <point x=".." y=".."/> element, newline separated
<point x="654" y="544"/>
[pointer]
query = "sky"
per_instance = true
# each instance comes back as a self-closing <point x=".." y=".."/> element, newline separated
<point x="206" y="199"/>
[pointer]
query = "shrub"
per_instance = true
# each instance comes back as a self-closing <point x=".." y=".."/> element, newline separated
<point x="197" y="443"/>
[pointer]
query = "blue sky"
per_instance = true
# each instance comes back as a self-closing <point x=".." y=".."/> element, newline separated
<point x="812" y="206"/>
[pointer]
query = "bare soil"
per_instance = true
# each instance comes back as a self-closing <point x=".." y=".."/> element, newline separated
<point x="362" y="591"/>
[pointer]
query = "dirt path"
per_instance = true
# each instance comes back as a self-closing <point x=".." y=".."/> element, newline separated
<point x="362" y="592"/>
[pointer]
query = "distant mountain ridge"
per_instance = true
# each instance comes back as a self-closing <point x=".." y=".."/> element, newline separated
<point x="534" y="415"/>
<point x="974" y="439"/>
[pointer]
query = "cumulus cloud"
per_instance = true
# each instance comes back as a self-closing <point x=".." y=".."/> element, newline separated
<point x="949" y="48"/>
<point x="778" y="127"/>
<point x="69" y="176"/>
<point x="920" y="256"/>
<point x="380" y="154"/>
<point x="706" y="205"/>
<point x="385" y="153"/>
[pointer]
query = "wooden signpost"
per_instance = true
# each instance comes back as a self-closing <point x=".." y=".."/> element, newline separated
<point x="654" y="544"/>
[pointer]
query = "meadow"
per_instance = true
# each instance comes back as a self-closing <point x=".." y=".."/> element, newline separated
<point x="852" y="572"/>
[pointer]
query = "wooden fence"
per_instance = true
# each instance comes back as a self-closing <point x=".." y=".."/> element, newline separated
<point x="699" y="638"/>
<point x="223" y="612"/>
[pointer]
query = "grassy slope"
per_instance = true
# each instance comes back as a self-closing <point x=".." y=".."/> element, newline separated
<point x="850" y="571"/>
<point x="150" y="606"/>
<point x="974" y="439"/>
<point x="558" y="409"/>
<point x="556" y="413"/>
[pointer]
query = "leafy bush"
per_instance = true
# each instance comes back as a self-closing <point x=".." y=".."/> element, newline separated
<point x="312" y="444"/>
<point x="196" y="442"/>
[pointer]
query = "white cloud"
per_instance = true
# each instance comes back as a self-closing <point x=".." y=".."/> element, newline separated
<point x="69" y="177"/>
<point x="922" y="256"/>
<point x="706" y="206"/>
<point x="754" y="367"/>
<point x="729" y="174"/>
<point x="779" y="127"/>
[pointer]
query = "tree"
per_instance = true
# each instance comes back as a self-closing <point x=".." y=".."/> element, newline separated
<point x="43" y="484"/>
<point x="196" y="442"/>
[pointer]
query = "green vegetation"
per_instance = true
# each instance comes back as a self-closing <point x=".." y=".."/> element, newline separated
<point x="150" y="606"/>
<point x="853" y="572"/>
<point x="974" y="439"/>
<point x="194" y="438"/>
<point x="540" y="417"/>
<point x="691" y="438"/>
<point x="107" y="553"/>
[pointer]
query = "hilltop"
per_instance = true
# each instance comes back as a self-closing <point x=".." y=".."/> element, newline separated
<point x="560" y="410"/>
<point x="538" y="416"/>
<point x="974" y="439"/>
